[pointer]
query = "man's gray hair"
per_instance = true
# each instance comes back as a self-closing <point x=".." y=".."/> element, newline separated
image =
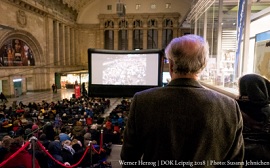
<point x="188" y="53"/>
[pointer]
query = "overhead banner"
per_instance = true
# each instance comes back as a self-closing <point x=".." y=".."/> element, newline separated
<point x="240" y="25"/>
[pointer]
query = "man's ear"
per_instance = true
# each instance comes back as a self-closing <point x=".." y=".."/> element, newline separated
<point x="171" y="64"/>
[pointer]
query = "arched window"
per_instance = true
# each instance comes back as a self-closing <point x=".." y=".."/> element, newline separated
<point x="152" y="34"/>
<point x="123" y="35"/>
<point x="109" y="35"/>
<point x="137" y="34"/>
<point x="167" y="33"/>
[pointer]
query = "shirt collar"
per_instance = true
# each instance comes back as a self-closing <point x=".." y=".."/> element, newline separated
<point x="185" y="82"/>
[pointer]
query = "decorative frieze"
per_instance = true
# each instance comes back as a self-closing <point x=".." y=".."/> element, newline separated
<point x="21" y="18"/>
<point x="47" y="7"/>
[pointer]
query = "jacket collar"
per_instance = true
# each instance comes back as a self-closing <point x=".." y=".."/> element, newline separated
<point x="188" y="82"/>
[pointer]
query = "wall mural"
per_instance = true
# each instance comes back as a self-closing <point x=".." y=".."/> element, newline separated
<point x="16" y="53"/>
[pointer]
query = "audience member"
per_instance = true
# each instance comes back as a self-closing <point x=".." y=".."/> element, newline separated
<point x="44" y="141"/>
<point x="49" y="131"/>
<point x="17" y="128"/>
<point x="184" y="121"/>
<point x="86" y="139"/>
<point x="64" y="135"/>
<point x="5" y="146"/>
<point x="78" y="131"/>
<point x="40" y="155"/>
<point x="89" y="121"/>
<point x="35" y="130"/>
<point x="79" y="151"/>
<point x="22" y="159"/>
<point x="55" y="149"/>
<point x="67" y="152"/>
<point x="254" y="102"/>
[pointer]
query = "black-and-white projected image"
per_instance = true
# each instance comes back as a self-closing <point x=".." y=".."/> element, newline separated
<point x="125" y="69"/>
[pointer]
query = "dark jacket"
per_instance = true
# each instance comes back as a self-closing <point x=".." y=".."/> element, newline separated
<point x="55" y="149"/>
<point x="183" y="122"/>
<point x="256" y="130"/>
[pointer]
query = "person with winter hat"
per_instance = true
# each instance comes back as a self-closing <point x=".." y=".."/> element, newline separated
<point x="78" y="131"/>
<point x="254" y="102"/>
<point x="35" y="130"/>
<point x="254" y="98"/>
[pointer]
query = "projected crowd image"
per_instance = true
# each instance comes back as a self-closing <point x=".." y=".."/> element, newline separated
<point x="121" y="70"/>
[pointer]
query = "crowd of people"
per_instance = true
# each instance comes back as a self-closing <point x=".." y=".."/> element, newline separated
<point x="65" y="128"/>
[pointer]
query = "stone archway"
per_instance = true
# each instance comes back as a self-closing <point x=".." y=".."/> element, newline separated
<point x="29" y="39"/>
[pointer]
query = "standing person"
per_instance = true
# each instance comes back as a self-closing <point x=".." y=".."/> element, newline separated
<point x="184" y="121"/>
<point x="3" y="97"/>
<point x="84" y="91"/>
<point x="254" y="102"/>
<point x="54" y="88"/>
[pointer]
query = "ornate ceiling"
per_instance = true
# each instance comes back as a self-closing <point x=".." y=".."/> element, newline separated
<point x="77" y="4"/>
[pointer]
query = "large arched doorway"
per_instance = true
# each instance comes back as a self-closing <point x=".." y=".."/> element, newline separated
<point x="20" y="54"/>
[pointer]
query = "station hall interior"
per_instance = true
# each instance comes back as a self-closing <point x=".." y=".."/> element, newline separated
<point x="56" y="36"/>
<point x="46" y="42"/>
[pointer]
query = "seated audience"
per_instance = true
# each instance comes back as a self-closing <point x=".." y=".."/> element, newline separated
<point x="41" y="120"/>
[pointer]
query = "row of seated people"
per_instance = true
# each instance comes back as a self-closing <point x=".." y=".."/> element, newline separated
<point x="60" y="112"/>
<point x="117" y="119"/>
<point x="65" y="121"/>
<point x="64" y="150"/>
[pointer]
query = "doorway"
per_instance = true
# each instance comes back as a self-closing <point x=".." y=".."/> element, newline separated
<point x="17" y="87"/>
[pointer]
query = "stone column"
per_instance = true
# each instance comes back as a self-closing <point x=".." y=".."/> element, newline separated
<point x="9" y="82"/>
<point x="72" y="47"/>
<point x="62" y="44"/>
<point x="116" y="34"/>
<point x="130" y="34"/>
<point x="160" y="21"/>
<point x="50" y="41"/>
<point x="8" y="87"/>
<point x="145" y="35"/>
<point x="56" y="43"/>
<point x="101" y="26"/>
<point x="67" y="45"/>
<point x="77" y="44"/>
<point x="175" y="27"/>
